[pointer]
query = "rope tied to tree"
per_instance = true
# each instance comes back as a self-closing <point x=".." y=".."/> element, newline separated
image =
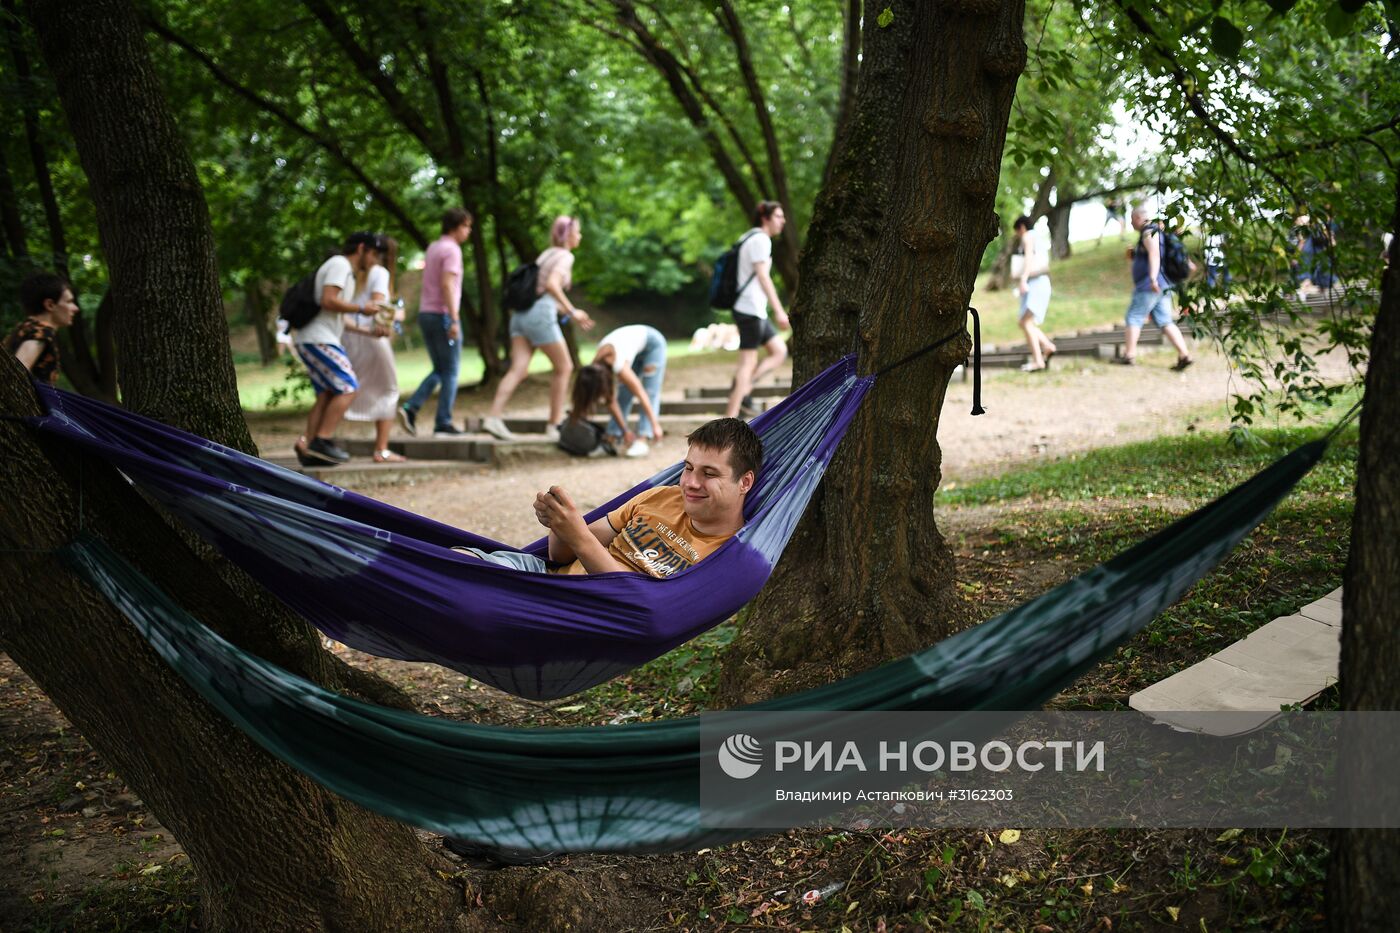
<point x="977" y="408"/>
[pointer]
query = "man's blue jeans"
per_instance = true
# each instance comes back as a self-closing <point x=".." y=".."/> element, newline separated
<point x="650" y="367"/>
<point x="446" y="356"/>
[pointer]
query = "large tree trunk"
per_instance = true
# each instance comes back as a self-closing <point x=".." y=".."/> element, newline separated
<point x="272" y="850"/>
<point x="889" y="266"/>
<point x="1364" y="882"/>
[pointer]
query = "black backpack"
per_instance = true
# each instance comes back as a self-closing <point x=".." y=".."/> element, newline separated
<point x="1176" y="265"/>
<point x="519" y="293"/>
<point x="299" y="305"/>
<point x="581" y="437"/>
<point x="724" y="283"/>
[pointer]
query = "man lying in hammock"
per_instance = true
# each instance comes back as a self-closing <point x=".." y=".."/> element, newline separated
<point x="660" y="531"/>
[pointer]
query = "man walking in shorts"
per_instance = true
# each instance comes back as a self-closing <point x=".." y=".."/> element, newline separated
<point x="1151" y="294"/>
<point x="440" y="319"/>
<point x="318" y="346"/>
<point x="751" y="307"/>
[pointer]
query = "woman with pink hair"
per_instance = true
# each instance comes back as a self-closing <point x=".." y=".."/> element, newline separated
<point x="538" y="328"/>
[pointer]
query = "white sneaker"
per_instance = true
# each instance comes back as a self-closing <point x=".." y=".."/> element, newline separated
<point x="639" y="448"/>
<point x="497" y="429"/>
<point x="551" y="432"/>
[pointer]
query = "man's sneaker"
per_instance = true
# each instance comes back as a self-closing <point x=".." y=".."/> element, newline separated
<point x="551" y="433"/>
<point x="1123" y="361"/>
<point x="409" y="419"/>
<point x="448" y="430"/>
<point x="1182" y="363"/>
<point x="325" y="450"/>
<point x="747" y="408"/>
<point x="639" y="448"/>
<point x="497" y="429"/>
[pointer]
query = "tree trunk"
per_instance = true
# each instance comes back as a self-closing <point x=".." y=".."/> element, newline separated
<point x="260" y="311"/>
<point x="1000" y="275"/>
<point x="1363" y="891"/>
<point x="889" y="265"/>
<point x="11" y="222"/>
<point x="850" y="80"/>
<point x="1059" y="223"/>
<point x="272" y="850"/>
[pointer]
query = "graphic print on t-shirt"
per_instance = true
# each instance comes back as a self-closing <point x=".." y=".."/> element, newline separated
<point x="654" y="549"/>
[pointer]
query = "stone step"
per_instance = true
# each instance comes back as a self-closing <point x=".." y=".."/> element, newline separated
<point x="364" y="471"/>
<point x="466" y="447"/>
<point x="774" y="391"/>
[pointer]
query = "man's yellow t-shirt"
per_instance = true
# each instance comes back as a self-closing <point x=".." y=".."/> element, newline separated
<point x="654" y="535"/>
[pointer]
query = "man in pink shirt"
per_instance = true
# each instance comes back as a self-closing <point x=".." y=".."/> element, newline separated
<point x="439" y="317"/>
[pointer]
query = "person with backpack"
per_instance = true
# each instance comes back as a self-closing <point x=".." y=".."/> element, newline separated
<point x="538" y="328"/>
<point x="755" y="293"/>
<point x="318" y="344"/>
<point x="1158" y="251"/>
<point x="440" y="320"/>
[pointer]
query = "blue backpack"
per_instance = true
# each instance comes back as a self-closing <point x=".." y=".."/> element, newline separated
<point x="1176" y="265"/>
<point x="724" y="283"/>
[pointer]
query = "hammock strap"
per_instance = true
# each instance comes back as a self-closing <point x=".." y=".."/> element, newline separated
<point x="977" y="408"/>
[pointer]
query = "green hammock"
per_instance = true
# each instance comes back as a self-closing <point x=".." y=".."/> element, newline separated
<point x="636" y="787"/>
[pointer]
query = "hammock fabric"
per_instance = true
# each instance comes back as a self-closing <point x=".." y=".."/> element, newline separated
<point x="635" y="787"/>
<point x="387" y="581"/>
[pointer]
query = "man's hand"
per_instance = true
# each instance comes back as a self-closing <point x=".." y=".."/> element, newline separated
<point x="556" y="511"/>
<point x="784" y="322"/>
<point x="454" y="330"/>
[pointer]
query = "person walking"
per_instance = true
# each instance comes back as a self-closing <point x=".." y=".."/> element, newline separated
<point x="440" y="320"/>
<point x="1032" y="270"/>
<point x="48" y="305"/>
<point x="538" y="328"/>
<point x="318" y="344"/>
<point x="751" y="307"/>
<point x="367" y="343"/>
<point x="1151" y="294"/>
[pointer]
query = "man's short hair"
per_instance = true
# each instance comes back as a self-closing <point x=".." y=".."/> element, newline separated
<point x="361" y="238"/>
<point x="734" y="435"/>
<point x="39" y="288"/>
<point x="454" y="218"/>
<point x="764" y="210"/>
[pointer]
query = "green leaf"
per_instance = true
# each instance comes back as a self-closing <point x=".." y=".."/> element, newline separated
<point x="1338" y="21"/>
<point x="885" y="18"/>
<point x="1225" y="37"/>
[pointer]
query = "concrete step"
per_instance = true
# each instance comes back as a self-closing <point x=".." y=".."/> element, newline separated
<point x="467" y="447"/>
<point x="364" y="471"/>
<point x="775" y="391"/>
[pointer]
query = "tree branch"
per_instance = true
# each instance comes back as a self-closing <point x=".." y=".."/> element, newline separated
<point x="273" y="109"/>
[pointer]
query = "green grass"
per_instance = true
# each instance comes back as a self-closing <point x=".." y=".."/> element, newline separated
<point x="257" y="383"/>
<point x="1090" y="289"/>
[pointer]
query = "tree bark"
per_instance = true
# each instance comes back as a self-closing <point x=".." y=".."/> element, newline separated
<point x="272" y="850"/>
<point x="850" y="80"/>
<point x="1059" y="223"/>
<point x="889" y="265"/>
<point x="1363" y="885"/>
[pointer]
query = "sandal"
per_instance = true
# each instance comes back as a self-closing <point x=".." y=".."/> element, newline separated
<point x="1124" y="360"/>
<point x="1182" y="363"/>
<point x="388" y="456"/>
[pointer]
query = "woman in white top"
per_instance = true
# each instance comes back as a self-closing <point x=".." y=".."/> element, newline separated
<point x="1032" y="270"/>
<point x="538" y="328"/>
<point x="635" y="356"/>
<point x="368" y="345"/>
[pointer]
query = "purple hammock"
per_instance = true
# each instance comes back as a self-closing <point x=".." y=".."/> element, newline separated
<point x="385" y="581"/>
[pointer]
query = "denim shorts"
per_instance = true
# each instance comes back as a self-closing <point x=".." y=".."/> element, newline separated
<point x="1156" y="304"/>
<point x="1036" y="300"/>
<point x="540" y="324"/>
